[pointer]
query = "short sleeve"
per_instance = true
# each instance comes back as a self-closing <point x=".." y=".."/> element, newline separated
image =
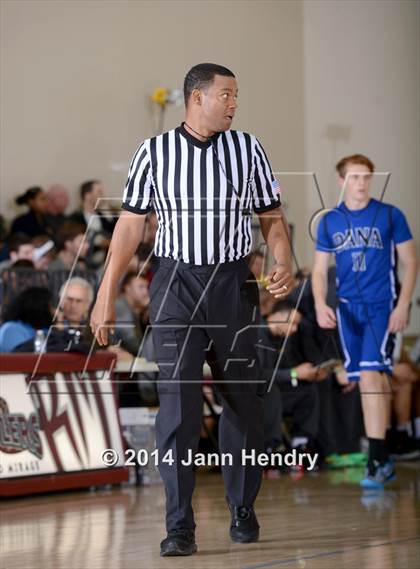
<point x="12" y="334"/>
<point x="400" y="229"/>
<point x="265" y="187"/>
<point x="138" y="189"/>
<point x="323" y="239"/>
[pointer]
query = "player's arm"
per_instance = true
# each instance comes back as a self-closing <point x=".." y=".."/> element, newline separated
<point x="407" y="255"/>
<point x="124" y="243"/>
<point x="275" y="231"/>
<point x="324" y="314"/>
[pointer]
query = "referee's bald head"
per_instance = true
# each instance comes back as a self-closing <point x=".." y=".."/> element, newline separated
<point x="201" y="76"/>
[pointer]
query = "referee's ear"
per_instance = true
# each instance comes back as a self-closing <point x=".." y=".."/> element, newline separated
<point x="196" y="96"/>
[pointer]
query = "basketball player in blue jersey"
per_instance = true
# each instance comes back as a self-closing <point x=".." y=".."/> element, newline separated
<point x="365" y="235"/>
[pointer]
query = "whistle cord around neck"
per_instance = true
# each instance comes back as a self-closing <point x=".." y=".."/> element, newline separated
<point x="246" y="211"/>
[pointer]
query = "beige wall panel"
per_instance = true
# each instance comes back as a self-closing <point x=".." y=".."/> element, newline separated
<point x="76" y="76"/>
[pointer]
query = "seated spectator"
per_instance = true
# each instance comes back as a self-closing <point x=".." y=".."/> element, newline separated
<point x="293" y="391"/>
<point x="30" y="311"/>
<point x="134" y="337"/>
<point x="72" y="248"/>
<point x="25" y="268"/>
<point x="34" y="222"/>
<point x="340" y="426"/>
<point x="57" y="203"/>
<point x="23" y="264"/>
<point x="97" y="219"/>
<point x="44" y="252"/>
<point x="92" y="214"/>
<point x="405" y="375"/>
<point x="37" y="250"/>
<point x="3" y="233"/>
<point x="19" y="246"/>
<point x="414" y="358"/>
<point x="76" y="296"/>
<point x="131" y="309"/>
<point x="143" y="263"/>
<point x="17" y="278"/>
<point x="71" y="319"/>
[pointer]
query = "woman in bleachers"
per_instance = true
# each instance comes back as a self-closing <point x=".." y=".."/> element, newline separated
<point x="30" y="311"/>
<point x="34" y="222"/>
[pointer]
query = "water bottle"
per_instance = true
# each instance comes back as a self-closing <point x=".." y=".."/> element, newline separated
<point x="39" y="342"/>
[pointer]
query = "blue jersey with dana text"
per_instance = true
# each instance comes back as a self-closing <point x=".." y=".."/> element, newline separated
<point x="363" y="242"/>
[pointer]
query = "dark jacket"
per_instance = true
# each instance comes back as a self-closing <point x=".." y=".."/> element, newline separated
<point x="300" y="347"/>
<point x="30" y="224"/>
<point x="107" y="224"/>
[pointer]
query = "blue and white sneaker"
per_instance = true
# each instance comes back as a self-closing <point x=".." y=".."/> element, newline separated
<point x="382" y="473"/>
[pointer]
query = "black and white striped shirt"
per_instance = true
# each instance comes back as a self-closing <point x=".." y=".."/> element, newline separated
<point x="202" y="220"/>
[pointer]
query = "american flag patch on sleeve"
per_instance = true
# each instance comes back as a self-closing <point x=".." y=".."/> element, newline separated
<point x="275" y="186"/>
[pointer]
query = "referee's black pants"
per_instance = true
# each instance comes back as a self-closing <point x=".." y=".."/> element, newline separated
<point x="208" y="313"/>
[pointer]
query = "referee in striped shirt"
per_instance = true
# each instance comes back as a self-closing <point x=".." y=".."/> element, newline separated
<point x="204" y="180"/>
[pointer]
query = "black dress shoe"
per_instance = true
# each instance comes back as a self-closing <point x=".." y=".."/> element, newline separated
<point x="244" y="527"/>
<point x="178" y="542"/>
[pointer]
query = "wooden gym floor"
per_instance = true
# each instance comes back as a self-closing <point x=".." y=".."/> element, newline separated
<point x="320" y="521"/>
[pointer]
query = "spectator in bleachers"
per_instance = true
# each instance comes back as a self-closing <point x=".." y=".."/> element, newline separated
<point x="19" y="246"/>
<point x="44" y="252"/>
<point x="3" y="233"/>
<point x="70" y="331"/>
<point x="294" y="391"/>
<point x="30" y="311"/>
<point x="414" y="357"/>
<point x="57" y="203"/>
<point x="72" y="248"/>
<point x="339" y="428"/>
<point x="76" y="297"/>
<point x="132" y="311"/>
<point x="134" y="338"/>
<point x="96" y="218"/>
<point x="34" y="222"/>
<point x="405" y="375"/>
<point x="37" y="250"/>
<point x="93" y="212"/>
<point x="24" y="264"/>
